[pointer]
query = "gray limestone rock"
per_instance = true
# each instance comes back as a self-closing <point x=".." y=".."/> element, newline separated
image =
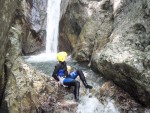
<point x="114" y="36"/>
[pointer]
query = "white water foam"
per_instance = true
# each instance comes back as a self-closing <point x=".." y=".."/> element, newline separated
<point x="44" y="57"/>
<point x="93" y="105"/>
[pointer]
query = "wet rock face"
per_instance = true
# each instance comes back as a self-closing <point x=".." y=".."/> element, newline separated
<point x="33" y="19"/>
<point x="7" y="9"/>
<point x="115" y="38"/>
<point x="125" y="58"/>
<point x="63" y="7"/>
<point x="22" y="88"/>
<point x="27" y="89"/>
<point x="83" y="24"/>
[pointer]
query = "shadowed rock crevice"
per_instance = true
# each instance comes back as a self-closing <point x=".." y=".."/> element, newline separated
<point x="3" y="83"/>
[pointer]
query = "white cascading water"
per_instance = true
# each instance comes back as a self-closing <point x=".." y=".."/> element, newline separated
<point x="90" y="103"/>
<point x="93" y="105"/>
<point x="53" y="16"/>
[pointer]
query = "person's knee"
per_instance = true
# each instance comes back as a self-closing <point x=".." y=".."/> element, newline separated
<point x="79" y="71"/>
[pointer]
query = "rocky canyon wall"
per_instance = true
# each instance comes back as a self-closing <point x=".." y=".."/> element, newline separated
<point x="7" y="12"/>
<point x="22" y="88"/>
<point x="114" y="37"/>
<point x="32" y="19"/>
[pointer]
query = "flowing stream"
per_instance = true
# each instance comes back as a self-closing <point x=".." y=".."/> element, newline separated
<point x="89" y="103"/>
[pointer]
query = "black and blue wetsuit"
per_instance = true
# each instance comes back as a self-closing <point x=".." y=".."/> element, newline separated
<point x="60" y="74"/>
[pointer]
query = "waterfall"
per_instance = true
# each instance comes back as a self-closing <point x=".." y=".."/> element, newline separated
<point x="53" y="15"/>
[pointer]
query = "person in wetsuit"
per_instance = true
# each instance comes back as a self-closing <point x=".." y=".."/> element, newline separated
<point x="61" y="75"/>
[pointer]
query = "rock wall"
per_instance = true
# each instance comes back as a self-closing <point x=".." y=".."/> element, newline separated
<point x="7" y="9"/>
<point x="63" y="7"/>
<point x="32" y="19"/>
<point x="114" y="36"/>
<point x="26" y="89"/>
<point x="82" y="26"/>
<point x="22" y="88"/>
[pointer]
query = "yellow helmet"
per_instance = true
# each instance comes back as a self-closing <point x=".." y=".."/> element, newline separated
<point x="68" y="67"/>
<point x="61" y="56"/>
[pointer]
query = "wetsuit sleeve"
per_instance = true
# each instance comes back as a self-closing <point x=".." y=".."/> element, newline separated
<point x="65" y="70"/>
<point x="54" y="75"/>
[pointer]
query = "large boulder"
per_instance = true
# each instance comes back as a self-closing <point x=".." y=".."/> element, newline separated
<point x="26" y="89"/>
<point x="83" y="24"/>
<point x="95" y="32"/>
<point x="72" y="23"/>
<point x="125" y="58"/>
<point x="114" y="37"/>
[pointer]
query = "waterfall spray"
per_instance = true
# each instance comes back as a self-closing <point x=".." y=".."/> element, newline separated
<point x="53" y="15"/>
